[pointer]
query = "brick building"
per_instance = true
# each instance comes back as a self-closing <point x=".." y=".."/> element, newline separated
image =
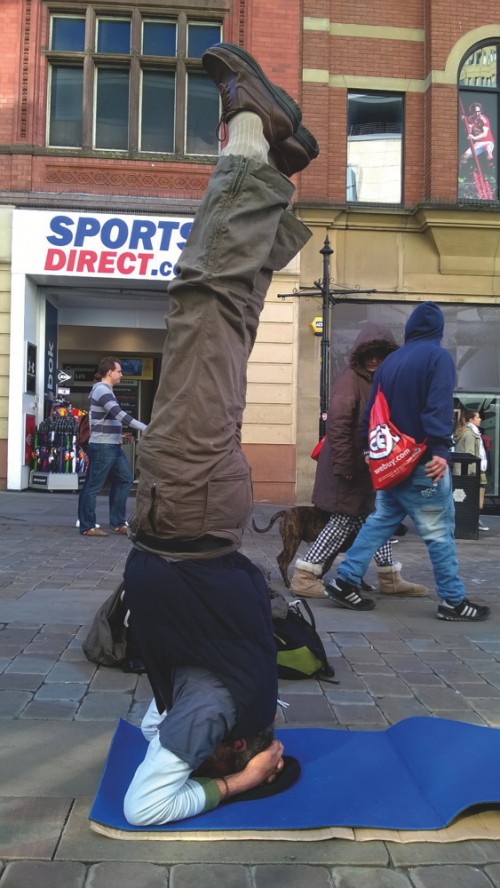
<point x="106" y="144"/>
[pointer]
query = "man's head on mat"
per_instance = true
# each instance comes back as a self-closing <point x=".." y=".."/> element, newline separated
<point x="232" y="756"/>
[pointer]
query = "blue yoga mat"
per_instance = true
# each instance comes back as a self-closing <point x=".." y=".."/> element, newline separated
<point x="417" y="775"/>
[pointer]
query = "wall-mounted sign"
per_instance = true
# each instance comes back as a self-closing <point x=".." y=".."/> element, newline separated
<point x="97" y="245"/>
<point x="317" y="326"/>
<point x="133" y="368"/>
<point x="30" y="368"/>
<point x="127" y="394"/>
<point x="81" y="372"/>
<point x="63" y="377"/>
<point x="137" y="368"/>
<point x="50" y="350"/>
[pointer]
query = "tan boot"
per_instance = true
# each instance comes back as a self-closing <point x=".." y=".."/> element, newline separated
<point x="390" y="582"/>
<point x="305" y="581"/>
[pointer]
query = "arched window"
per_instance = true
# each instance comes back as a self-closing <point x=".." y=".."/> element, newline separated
<point x="478" y="107"/>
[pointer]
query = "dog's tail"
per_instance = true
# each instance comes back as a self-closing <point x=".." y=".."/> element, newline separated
<point x="271" y="522"/>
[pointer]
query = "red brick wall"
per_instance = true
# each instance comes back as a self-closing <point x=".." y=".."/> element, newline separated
<point x="430" y="148"/>
<point x="23" y="98"/>
<point x="393" y="13"/>
<point x="276" y="37"/>
<point x="10" y="54"/>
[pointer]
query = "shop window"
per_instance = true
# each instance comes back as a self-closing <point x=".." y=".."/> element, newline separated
<point x="478" y="114"/>
<point x="374" y="148"/>
<point x="131" y="83"/>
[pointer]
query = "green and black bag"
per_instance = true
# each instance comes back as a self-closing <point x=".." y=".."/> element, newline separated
<point x="301" y="653"/>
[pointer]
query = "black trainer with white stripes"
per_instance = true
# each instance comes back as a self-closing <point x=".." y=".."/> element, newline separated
<point x="465" y="611"/>
<point x="348" y="595"/>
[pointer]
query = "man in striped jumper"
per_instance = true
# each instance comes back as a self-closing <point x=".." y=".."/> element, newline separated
<point x="105" y="453"/>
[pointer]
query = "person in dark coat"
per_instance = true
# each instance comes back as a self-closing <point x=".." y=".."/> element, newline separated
<point x="342" y="486"/>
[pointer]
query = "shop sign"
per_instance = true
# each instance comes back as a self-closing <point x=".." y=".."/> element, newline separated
<point x="98" y="245"/>
<point x="133" y="368"/>
<point x="81" y="372"/>
<point x="63" y="377"/>
<point x="50" y="350"/>
<point x="30" y="368"/>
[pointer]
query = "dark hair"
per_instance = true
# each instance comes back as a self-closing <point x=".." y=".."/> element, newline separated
<point x="465" y="415"/>
<point x="469" y="413"/>
<point x="105" y="365"/>
<point x="258" y="743"/>
<point x="236" y="760"/>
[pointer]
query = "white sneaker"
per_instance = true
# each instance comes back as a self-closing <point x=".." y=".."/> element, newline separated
<point x="482" y="526"/>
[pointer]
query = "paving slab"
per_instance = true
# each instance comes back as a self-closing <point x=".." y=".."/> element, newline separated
<point x="458" y="876"/>
<point x="297" y="876"/>
<point x="192" y="875"/>
<point x="132" y="875"/>
<point x="31" y="827"/>
<point x="52" y="758"/>
<point x="371" y="877"/>
<point x="41" y="874"/>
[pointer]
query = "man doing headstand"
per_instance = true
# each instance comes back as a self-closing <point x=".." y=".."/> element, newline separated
<point x="199" y="608"/>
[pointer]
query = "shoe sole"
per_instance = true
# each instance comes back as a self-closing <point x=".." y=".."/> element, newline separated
<point x="463" y="619"/>
<point x="308" y="595"/>
<point x="353" y="607"/>
<point x="305" y="138"/>
<point x="285" y="101"/>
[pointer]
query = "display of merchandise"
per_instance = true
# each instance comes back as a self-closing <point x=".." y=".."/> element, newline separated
<point x="55" y="447"/>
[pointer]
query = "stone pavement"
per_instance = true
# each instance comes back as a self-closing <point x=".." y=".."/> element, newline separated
<point x="58" y="713"/>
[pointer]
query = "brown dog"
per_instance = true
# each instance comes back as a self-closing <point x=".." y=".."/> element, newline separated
<point x="301" y="523"/>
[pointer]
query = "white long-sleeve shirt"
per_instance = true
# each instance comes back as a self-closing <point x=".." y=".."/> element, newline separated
<point x="161" y="790"/>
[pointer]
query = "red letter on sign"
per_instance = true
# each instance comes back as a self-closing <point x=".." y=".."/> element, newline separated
<point x="55" y="261"/>
<point x="86" y="260"/>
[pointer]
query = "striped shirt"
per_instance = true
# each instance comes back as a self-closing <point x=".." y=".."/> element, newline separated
<point x="107" y="417"/>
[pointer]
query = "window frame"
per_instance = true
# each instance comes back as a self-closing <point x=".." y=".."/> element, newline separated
<point x="392" y="94"/>
<point x="135" y="62"/>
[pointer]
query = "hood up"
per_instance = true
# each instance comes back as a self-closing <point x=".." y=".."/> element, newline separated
<point x="425" y="322"/>
<point x="371" y="336"/>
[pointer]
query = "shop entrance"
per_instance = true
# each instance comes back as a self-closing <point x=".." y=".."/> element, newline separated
<point x="91" y="324"/>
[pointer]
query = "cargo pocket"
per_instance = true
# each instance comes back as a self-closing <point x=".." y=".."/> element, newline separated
<point x="229" y="501"/>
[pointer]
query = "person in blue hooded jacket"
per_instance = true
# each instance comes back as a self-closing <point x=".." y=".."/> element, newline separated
<point x="417" y="381"/>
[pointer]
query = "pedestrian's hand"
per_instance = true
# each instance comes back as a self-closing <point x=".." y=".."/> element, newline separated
<point x="436" y="468"/>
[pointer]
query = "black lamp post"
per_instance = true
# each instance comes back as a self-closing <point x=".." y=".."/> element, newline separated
<point x="330" y="296"/>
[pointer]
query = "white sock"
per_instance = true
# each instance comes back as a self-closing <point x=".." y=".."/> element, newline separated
<point x="246" y="137"/>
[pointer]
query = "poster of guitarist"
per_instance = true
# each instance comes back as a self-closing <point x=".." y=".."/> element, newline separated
<point x="477" y="176"/>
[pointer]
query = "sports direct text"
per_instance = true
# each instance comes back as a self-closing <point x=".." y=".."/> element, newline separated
<point x="120" y="246"/>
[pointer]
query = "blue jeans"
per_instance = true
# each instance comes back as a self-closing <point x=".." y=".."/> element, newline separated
<point x="105" y="460"/>
<point x="432" y="509"/>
